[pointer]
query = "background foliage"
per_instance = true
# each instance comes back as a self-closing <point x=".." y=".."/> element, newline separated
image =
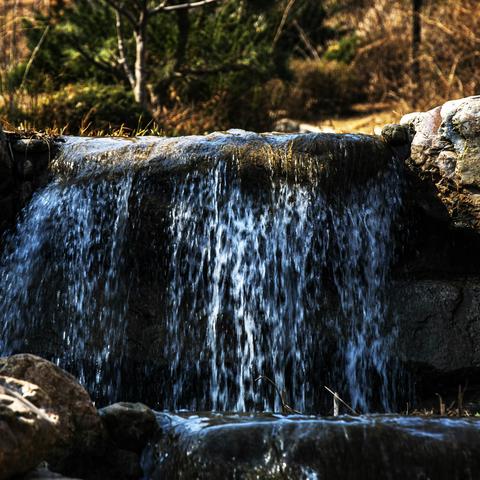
<point x="235" y="63"/>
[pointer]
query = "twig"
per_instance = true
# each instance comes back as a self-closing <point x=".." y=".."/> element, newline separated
<point x="163" y="7"/>
<point x="335" y="395"/>
<point x="285" y="407"/>
<point x="442" y="404"/>
<point x="461" y="394"/>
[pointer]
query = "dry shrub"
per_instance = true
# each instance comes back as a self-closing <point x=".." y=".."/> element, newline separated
<point x="224" y="110"/>
<point x="320" y="86"/>
<point x="449" y="54"/>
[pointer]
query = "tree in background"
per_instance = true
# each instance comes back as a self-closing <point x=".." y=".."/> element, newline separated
<point x="139" y="15"/>
<point x="203" y="65"/>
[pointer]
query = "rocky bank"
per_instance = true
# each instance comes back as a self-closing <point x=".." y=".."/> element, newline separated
<point x="47" y="416"/>
<point x="436" y="293"/>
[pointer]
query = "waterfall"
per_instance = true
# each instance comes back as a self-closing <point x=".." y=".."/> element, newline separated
<point x="250" y="285"/>
<point x="284" y="279"/>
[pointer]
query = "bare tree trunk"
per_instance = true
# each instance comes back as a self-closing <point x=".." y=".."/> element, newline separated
<point x="416" y="43"/>
<point x="140" y="89"/>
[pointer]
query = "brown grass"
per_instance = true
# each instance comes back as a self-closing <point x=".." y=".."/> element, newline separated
<point x="449" y="55"/>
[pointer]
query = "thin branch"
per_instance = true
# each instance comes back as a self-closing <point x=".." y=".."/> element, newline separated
<point x="105" y="67"/>
<point x="32" y="57"/>
<point x="212" y="70"/>
<point x="283" y="21"/>
<point x="285" y="407"/>
<point x="163" y="7"/>
<point x="306" y="41"/>
<point x="121" y="51"/>
<point x="335" y="395"/>
<point x="158" y="8"/>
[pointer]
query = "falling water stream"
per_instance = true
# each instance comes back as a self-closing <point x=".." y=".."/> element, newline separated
<point x="250" y="267"/>
<point x="287" y="281"/>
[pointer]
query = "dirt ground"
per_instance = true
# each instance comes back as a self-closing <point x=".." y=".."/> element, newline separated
<point x="364" y="118"/>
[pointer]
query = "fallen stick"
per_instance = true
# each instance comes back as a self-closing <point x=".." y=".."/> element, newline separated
<point x="337" y="398"/>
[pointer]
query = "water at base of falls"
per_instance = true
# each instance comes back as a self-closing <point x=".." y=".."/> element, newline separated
<point x="285" y="282"/>
<point x="219" y="446"/>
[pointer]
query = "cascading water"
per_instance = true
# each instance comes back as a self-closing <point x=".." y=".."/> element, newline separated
<point x="61" y="279"/>
<point x="250" y="282"/>
<point x="286" y="280"/>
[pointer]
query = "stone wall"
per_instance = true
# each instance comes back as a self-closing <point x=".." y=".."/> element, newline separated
<point x="23" y="168"/>
<point x="436" y="295"/>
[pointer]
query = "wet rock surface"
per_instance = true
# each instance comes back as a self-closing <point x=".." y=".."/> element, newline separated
<point x="130" y="425"/>
<point x="235" y="446"/>
<point x="338" y="161"/>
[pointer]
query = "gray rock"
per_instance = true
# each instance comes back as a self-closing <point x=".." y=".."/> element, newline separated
<point x="446" y="152"/>
<point x="439" y="323"/>
<point x="396" y="135"/>
<point x="42" y="472"/>
<point x="28" y="169"/>
<point x="286" y="125"/>
<point x="130" y="425"/>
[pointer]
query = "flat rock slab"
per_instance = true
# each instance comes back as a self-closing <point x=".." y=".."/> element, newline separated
<point x="338" y="160"/>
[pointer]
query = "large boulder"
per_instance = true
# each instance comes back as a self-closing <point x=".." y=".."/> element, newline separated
<point x="81" y="435"/>
<point x="445" y="152"/>
<point x="28" y="426"/>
